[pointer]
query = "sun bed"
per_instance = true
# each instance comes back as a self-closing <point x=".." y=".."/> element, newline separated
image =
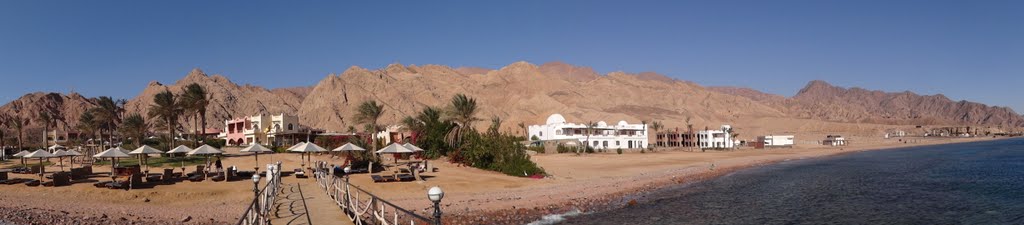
<point x="196" y="178"/>
<point x="32" y="183"/>
<point x="406" y="177"/>
<point x="383" y="178"/>
<point x="15" y="181"/>
<point x="154" y="178"/>
<point x="102" y="184"/>
<point x="219" y="177"/>
<point x="300" y="174"/>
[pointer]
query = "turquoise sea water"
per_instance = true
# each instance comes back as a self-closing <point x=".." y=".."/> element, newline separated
<point x="968" y="183"/>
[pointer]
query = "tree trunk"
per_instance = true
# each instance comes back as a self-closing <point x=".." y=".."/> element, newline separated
<point x="202" y="119"/>
<point x="170" y="131"/>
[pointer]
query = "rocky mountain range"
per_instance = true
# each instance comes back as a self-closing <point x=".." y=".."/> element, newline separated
<point x="822" y="101"/>
<point x="528" y="93"/>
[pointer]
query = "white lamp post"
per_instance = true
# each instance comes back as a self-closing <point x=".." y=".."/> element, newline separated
<point x="435" y="194"/>
<point x="256" y="185"/>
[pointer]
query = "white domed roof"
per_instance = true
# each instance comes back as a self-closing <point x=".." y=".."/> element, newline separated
<point x="623" y="123"/>
<point x="556" y="119"/>
<point x="602" y="124"/>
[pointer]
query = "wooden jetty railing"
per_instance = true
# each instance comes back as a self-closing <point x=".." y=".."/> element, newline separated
<point x="362" y="207"/>
<point x="258" y="212"/>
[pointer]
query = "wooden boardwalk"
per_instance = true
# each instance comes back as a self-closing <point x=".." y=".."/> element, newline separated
<point x="301" y="202"/>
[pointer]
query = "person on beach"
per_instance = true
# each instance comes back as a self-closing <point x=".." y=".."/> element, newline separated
<point x="219" y="165"/>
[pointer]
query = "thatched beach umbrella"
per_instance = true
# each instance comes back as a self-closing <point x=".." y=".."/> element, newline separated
<point x="143" y="153"/>
<point x="306" y="147"/>
<point x="71" y="155"/>
<point x="60" y="158"/>
<point x="395" y="148"/>
<point x="256" y="149"/>
<point x="21" y="155"/>
<point x="348" y="147"/>
<point x="206" y="150"/>
<point x="113" y="154"/>
<point x="55" y="147"/>
<point x="183" y="150"/>
<point x="40" y="154"/>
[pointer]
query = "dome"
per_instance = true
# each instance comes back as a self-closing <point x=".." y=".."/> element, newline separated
<point x="602" y="124"/>
<point x="556" y="119"/>
<point x="623" y="123"/>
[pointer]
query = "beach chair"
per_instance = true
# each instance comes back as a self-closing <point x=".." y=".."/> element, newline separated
<point x="299" y="173"/>
<point x="219" y="177"/>
<point x="102" y="184"/>
<point x="154" y="178"/>
<point x="406" y="177"/>
<point x="377" y="178"/>
<point x="168" y="175"/>
<point x="32" y="183"/>
<point x="15" y="181"/>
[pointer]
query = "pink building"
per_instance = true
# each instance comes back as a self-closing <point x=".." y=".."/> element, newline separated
<point x="234" y="130"/>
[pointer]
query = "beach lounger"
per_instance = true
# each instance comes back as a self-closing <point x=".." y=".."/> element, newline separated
<point x="218" y="178"/>
<point x="406" y="177"/>
<point x="15" y="181"/>
<point x="154" y="178"/>
<point x="32" y="183"/>
<point x="377" y="178"/>
<point x="118" y="185"/>
<point x="300" y="174"/>
<point x="102" y="184"/>
<point x="196" y="178"/>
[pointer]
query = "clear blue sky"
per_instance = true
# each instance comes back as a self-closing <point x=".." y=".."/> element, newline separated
<point x="971" y="50"/>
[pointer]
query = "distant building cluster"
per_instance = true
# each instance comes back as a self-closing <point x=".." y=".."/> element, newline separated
<point x="601" y="135"/>
<point x="275" y="130"/>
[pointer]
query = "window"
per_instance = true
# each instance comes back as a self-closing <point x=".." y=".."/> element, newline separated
<point x="595" y="143"/>
<point x="605" y="143"/>
<point x="290" y="127"/>
<point x="617" y="143"/>
<point x="542" y="133"/>
<point x="558" y="132"/>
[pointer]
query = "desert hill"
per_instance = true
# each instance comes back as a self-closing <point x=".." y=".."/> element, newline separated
<point x="528" y="93"/>
<point x="820" y="100"/>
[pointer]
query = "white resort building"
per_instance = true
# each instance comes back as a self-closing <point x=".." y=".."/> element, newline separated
<point x="716" y="139"/>
<point x="602" y="136"/>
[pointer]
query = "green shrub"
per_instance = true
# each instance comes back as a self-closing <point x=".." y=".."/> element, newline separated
<point x="535" y="148"/>
<point x="619" y="150"/>
<point x="216" y="143"/>
<point x="497" y="152"/>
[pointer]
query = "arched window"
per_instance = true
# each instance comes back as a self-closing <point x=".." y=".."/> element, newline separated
<point x="605" y="143"/>
<point x="255" y="126"/>
<point x="290" y="127"/>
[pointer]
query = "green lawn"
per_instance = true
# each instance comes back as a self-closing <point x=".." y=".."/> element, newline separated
<point x="30" y="163"/>
<point x="159" y="162"/>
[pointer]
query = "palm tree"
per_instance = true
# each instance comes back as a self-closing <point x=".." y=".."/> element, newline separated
<point x="588" y="129"/>
<point x="134" y="126"/>
<point x="197" y="100"/>
<point x="109" y="114"/>
<point x="87" y="123"/>
<point x="495" y="127"/>
<point x="167" y="109"/>
<point x="20" y="123"/>
<point x="689" y="131"/>
<point x="656" y="126"/>
<point x="45" y="118"/>
<point x="368" y="113"/>
<point x="462" y="111"/>
<point x="5" y="123"/>
<point x="526" y="133"/>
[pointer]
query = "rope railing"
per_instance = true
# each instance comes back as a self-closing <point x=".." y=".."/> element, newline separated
<point x="362" y="207"/>
<point x="258" y="212"/>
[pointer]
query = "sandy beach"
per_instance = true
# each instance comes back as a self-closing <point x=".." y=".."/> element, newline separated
<point x="588" y="182"/>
